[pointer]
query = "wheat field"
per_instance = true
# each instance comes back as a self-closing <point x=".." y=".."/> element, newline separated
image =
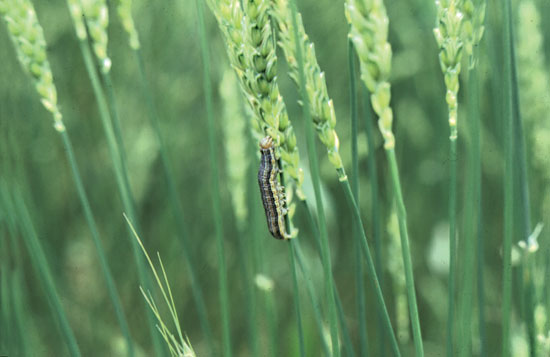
<point x="406" y="173"/>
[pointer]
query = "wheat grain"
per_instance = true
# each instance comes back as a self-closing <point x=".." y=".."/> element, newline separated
<point x="28" y="38"/>
<point x="369" y="33"/>
<point x="251" y="51"/>
<point x="124" y="10"/>
<point x="94" y="15"/>
<point x="321" y="106"/>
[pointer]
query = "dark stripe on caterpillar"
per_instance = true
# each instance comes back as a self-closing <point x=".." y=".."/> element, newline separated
<point x="273" y="196"/>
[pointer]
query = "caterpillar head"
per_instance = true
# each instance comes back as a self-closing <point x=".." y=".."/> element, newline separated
<point x="266" y="143"/>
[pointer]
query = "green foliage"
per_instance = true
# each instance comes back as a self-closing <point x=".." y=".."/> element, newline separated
<point x="394" y="45"/>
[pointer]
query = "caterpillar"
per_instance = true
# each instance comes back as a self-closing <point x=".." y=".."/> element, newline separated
<point x="273" y="195"/>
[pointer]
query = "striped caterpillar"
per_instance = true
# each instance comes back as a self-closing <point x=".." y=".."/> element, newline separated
<point x="273" y="195"/>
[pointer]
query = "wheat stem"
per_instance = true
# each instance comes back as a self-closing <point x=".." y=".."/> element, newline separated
<point x="216" y="199"/>
<point x="111" y="286"/>
<point x="375" y="208"/>
<point x="523" y="216"/>
<point x="472" y="88"/>
<point x="27" y="32"/>
<point x="369" y="32"/>
<point x="508" y="178"/>
<point x="40" y="263"/>
<point x="314" y="168"/>
<point x="292" y="253"/>
<point x="175" y="204"/>
<point x="371" y="270"/>
<point x="361" y="309"/>
<point x="119" y="171"/>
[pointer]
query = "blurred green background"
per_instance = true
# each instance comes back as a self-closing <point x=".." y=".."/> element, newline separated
<point x="32" y="155"/>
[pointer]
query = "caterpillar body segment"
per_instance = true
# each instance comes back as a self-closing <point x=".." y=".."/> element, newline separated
<point x="272" y="192"/>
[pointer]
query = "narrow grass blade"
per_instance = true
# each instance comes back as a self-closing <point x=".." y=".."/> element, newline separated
<point x="452" y="250"/>
<point x="117" y="135"/>
<point x="20" y="316"/>
<point x="472" y="88"/>
<point x="291" y="251"/>
<point x="175" y="204"/>
<point x="371" y="270"/>
<point x="34" y="56"/>
<point x="361" y="310"/>
<point x="314" y="168"/>
<point x="375" y="208"/>
<point x="348" y="346"/>
<point x="407" y="261"/>
<point x="15" y="278"/>
<point x="250" y="298"/>
<point x="509" y="144"/>
<point x="523" y="217"/>
<point x="177" y="348"/>
<point x="7" y="342"/>
<point x="216" y="199"/>
<point x="40" y="264"/>
<point x="295" y="291"/>
<point x="120" y="176"/>
<point x="111" y="287"/>
<point x="471" y="220"/>
<point x="312" y="296"/>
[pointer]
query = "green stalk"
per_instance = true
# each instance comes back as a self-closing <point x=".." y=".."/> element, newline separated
<point x="216" y="199"/>
<point x="524" y="216"/>
<point x="481" y="287"/>
<point x="123" y="188"/>
<point x="348" y="346"/>
<point x="41" y="266"/>
<point x="270" y="306"/>
<point x="475" y="169"/>
<point x="249" y="299"/>
<point x="111" y="287"/>
<point x="117" y="131"/>
<point x="336" y="161"/>
<point x="371" y="271"/>
<point x="407" y="262"/>
<point x="315" y="174"/>
<point x="546" y="290"/>
<point x="291" y="251"/>
<point x="349" y="197"/>
<point x="450" y="37"/>
<point x="312" y="295"/>
<point x="21" y="327"/>
<point x="38" y="56"/>
<point x="452" y="245"/>
<point x="471" y="209"/>
<point x="16" y="278"/>
<point x="529" y="301"/>
<point x="6" y="340"/>
<point x="175" y="204"/>
<point x="508" y="179"/>
<point x="271" y="309"/>
<point x="296" y="293"/>
<point x="361" y="310"/>
<point x="376" y="230"/>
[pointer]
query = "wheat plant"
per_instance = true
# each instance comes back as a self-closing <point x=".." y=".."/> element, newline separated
<point x="30" y="44"/>
<point x="369" y="33"/>
<point x="448" y="35"/>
